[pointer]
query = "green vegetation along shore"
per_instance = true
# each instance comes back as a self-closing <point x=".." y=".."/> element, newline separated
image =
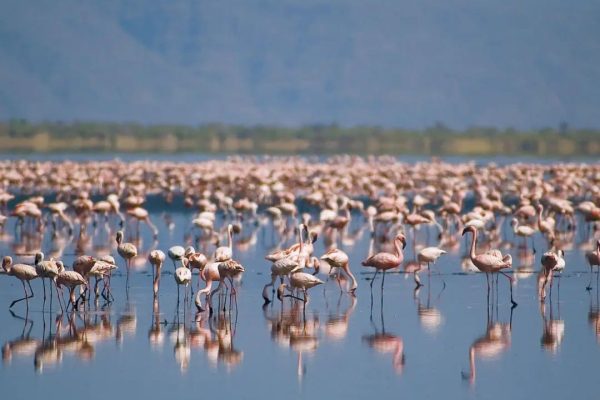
<point x="24" y="136"/>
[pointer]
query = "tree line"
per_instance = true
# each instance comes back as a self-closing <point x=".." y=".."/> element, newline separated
<point x="25" y="136"/>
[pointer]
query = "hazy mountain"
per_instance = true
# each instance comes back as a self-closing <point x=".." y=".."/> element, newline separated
<point x="402" y="63"/>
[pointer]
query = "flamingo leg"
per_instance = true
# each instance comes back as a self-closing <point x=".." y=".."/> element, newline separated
<point x="26" y="298"/>
<point x="374" y="276"/>
<point x="44" y="286"/>
<point x="417" y="280"/>
<point x="61" y="300"/>
<point x="58" y="295"/>
<point x="510" y="280"/>
<point x="589" y="286"/>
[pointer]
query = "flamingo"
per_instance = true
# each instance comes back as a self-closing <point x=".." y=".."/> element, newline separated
<point x="24" y="273"/>
<point x="46" y="269"/>
<point x="70" y="279"/>
<point x="491" y="261"/>
<point x="183" y="276"/>
<point x="156" y="259"/>
<point x="545" y="226"/>
<point x="176" y="253"/>
<point x="294" y="257"/>
<point x="127" y="251"/>
<point x="593" y="259"/>
<point x="303" y="280"/>
<point x="551" y="261"/>
<point x="228" y="269"/>
<point x="336" y="258"/>
<point x="102" y="269"/>
<point x="225" y="253"/>
<point x="196" y="260"/>
<point x="384" y="261"/>
<point x="525" y="231"/>
<point x="429" y="255"/>
<point x="209" y="274"/>
<point x="141" y="214"/>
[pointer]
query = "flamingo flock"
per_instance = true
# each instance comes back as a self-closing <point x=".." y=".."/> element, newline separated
<point x="309" y="213"/>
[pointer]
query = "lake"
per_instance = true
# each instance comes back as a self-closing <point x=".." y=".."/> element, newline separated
<point x="446" y="340"/>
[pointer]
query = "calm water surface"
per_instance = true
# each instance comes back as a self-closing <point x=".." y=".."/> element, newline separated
<point x="444" y="341"/>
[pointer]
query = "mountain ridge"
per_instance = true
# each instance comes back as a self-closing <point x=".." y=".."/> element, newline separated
<point x="293" y="62"/>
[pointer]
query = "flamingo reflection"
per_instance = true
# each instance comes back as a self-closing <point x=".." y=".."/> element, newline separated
<point x="386" y="343"/>
<point x="495" y="341"/>
<point x="553" y="328"/>
<point x="290" y="328"/>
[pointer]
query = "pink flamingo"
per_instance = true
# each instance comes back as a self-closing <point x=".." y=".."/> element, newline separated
<point x="593" y="259"/>
<point x="384" y="261"/>
<point x="490" y="262"/>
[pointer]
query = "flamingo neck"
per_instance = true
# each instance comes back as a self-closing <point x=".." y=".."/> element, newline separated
<point x="230" y="238"/>
<point x="516" y="226"/>
<point x="473" y="244"/>
<point x="300" y="238"/>
<point x="157" y="277"/>
<point x="397" y="247"/>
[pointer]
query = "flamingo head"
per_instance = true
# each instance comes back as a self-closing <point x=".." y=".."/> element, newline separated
<point x="119" y="237"/>
<point x="402" y="239"/>
<point x="189" y="251"/>
<point x="471" y="229"/>
<point x="61" y="266"/>
<point x="316" y="265"/>
<point x="39" y="257"/>
<point x="6" y="262"/>
<point x="281" y="291"/>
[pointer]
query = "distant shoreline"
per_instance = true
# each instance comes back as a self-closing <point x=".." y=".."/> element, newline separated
<point x="19" y="136"/>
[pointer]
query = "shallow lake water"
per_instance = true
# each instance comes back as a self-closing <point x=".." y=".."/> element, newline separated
<point x="446" y="340"/>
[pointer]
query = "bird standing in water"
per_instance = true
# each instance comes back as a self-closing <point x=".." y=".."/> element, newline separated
<point x="336" y="258"/>
<point x="127" y="251"/>
<point x="304" y="280"/>
<point x="490" y="262"/>
<point x="24" y="273"/>
<point x="385" y="261"/>
<point x="156" y="258"/>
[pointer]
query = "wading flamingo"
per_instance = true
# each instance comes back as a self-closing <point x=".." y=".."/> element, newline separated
<point x="593" y="259"/>
<point x="24" y="273"/>
<point x="225" y="253"/>
<point x="156" y="258"/>
<point x="336" y="258"/>
<point x="384" y="261"/>
<point x="127" y="251"/>
<point x="490" y="262"/>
